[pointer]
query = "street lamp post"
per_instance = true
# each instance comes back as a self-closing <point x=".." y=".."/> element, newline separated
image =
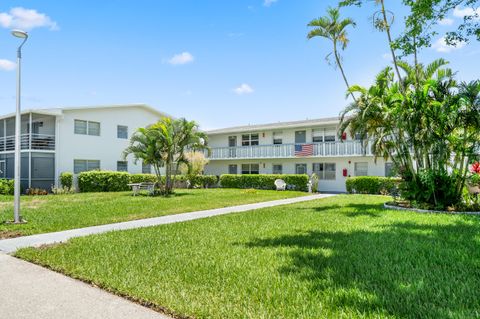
<point x="16" y="210"/>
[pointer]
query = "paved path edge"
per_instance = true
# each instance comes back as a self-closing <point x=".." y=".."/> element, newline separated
<point x="12" y="244"/>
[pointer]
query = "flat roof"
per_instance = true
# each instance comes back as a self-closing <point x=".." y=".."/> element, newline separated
<point x="279" y="125"/>
<point x="55" y="111"/>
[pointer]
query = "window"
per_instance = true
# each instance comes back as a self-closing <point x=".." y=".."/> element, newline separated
<point x="146" y="168"/>
<point x="389" y="171"/>
<point x="329" y="138"/>
<point x="249" y="139"/>
<point x="80" y="127"/>
<point x="94" y="128"/>
<point x="85" y="165"/>
<point x="122" y="166"/>
<point x="87" y="128"/>
<point x="326" y="171"/>
<point x="122" y="131"/>
<point x="250" y="168"/>
<point x="300" y="168"/>
<point x="300" y="137"/>
<point x="358" y="137"/>
<point x="277" y="169"/>
<point x="232" y="169"/>
<point x="317" y="135"/>
<point x="277" y="138"/>
<point x="361" y="169"/>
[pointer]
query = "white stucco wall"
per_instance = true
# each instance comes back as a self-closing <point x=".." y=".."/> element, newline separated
<point x="338" y="185"/>
<point x="107" y="147"/>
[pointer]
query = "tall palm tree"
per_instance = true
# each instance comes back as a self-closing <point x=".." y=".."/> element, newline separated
<point x="333" y="28"/>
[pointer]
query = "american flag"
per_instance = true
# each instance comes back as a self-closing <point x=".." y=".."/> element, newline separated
<point x="303" y="149"/>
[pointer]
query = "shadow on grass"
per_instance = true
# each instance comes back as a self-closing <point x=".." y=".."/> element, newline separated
<point x="354" y="210"/>
<point x="404" y="269"/>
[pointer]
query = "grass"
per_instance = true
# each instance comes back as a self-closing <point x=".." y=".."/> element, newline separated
<point x="60" y="212"/>
<point x="340" y="257"/>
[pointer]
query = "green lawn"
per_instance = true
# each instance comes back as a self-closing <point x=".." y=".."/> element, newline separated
<point x="59" y="212"/>
<point x="340" y="257"/>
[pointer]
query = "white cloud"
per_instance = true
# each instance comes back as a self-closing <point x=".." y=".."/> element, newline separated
<point x="181" y="58"/>
<point x="441" y="46"/>
<point x="446" y="21"/>
<point x="387" y="56"/>
<point x="243" y="89"/>
<point x="268" y="3"/>
<point x="7" y="65"/>
<point x="461" y="13"/>
<point x="26" y="19"/>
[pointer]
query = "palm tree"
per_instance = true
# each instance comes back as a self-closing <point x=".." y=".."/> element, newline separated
<point x="144" y="146"/>
<point x="164" y="144"/>
<point x="331" y="27"/>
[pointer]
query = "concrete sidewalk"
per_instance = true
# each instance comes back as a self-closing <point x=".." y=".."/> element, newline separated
<point x="32" y="292"/>
<point x="11" y="245"/>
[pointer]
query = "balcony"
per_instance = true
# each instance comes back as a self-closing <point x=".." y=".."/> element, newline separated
<point x="29" y="141"/>
<point x="327" y="149"/>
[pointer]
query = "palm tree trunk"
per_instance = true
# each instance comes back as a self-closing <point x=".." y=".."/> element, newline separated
<point x="339" y="64"/>
<point x="390" y="43"/>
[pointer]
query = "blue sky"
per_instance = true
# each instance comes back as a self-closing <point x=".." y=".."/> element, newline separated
<point x="219" y="62"/>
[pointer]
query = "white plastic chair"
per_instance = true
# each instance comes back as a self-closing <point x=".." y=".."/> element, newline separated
<point x="280" y="184"/>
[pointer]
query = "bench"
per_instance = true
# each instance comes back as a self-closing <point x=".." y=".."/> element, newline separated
<point x="137" y="187"/>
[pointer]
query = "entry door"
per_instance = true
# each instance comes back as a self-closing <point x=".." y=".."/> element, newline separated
<point x="232" y="143"/>
<point x="300" y="137"/>
<point x="2" y="169"/>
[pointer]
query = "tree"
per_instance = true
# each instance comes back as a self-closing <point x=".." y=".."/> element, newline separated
<point x="194" y="166"/>
<point x="144" y="146"/>
<point x="430" y="131"/>
<point x="331" y="27"/>
<point x="165" y="144"/>
<point x="423" y="16"/>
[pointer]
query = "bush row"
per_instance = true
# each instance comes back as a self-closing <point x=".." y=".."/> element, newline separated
<point x="372" y="185"/>
<point x="264" y="181"/>
<point x="6" y="186"/>
<point x="110" y="181"/>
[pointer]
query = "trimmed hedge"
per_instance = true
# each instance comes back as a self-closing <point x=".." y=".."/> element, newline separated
<point x="66" y="179"/>
<point x="103" y="181"/>
<point x="264" y="181"/>
<point x="6" y="186"/>
<point x="110" y="181"/>
<point x="372" y="185"/>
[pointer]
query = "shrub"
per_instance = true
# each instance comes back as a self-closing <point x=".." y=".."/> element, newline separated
<point x="103" y="181"/>
<point x="66" y="179"/>
<point x="62" y="190"/>
<point x="36" y="191"/>
<point x="372" y="185"/>
<point x="203" y="181"/>
<point x="142" y="178"/>
<point x="109" y="181"/>
<point x="6" y="186"/>
<point x="264" y="181"/>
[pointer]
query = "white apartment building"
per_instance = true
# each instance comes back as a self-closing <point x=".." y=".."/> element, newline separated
<point x="300" y="147"/>
<point x="72" y="140"/>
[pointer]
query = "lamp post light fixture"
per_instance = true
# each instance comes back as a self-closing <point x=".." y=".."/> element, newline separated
<point x="16" y="209"/>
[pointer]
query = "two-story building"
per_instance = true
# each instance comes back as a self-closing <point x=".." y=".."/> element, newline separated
<point x="300" y="147"/>
<point x="72" y="140"/>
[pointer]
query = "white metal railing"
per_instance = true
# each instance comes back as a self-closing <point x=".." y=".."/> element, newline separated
<point x="345" y="148"/>
<point x="29" y="141"/>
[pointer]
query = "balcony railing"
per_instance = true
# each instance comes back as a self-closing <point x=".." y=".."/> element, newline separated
<point x="327" y="149"/>
<point x="29" y="141"/>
